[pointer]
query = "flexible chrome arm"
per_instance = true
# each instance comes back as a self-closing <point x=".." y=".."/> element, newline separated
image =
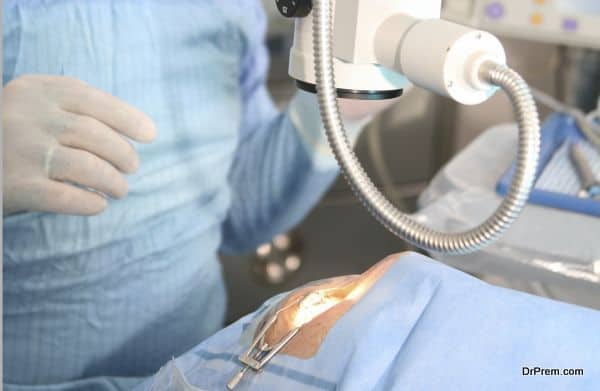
<point x="400" y="223"/>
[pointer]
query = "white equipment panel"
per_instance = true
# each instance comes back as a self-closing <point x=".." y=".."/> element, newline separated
<point x="568" y="22"/>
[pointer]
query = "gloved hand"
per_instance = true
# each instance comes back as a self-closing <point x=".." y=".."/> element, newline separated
<point x="64" y="147"/>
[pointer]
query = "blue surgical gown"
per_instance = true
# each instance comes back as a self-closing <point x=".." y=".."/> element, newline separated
<point x="423" y="326"/>
<point x="93" y="302"/>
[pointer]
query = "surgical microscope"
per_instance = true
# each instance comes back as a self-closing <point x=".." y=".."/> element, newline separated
<point x="374" y="49"/>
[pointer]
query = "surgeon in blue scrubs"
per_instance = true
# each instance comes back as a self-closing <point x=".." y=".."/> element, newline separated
<point x="139" y="141"/>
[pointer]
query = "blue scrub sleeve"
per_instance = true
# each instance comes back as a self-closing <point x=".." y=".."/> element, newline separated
<point x="283" y="164"/>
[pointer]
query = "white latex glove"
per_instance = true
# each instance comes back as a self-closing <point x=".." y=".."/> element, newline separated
<point x="63" y="145"/>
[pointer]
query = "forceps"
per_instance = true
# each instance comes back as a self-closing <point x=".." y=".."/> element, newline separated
<point x="260" y="353"/>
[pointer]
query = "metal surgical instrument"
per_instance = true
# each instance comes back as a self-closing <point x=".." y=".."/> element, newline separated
<point x="260" y="353"/>
<point x="590" y="185"/>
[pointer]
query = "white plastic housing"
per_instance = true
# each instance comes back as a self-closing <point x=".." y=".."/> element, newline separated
<point x="383" y="45"/>
<point x="355" y="27"/>
<point x="446" y="57"/>
<point x="348" y="76"/>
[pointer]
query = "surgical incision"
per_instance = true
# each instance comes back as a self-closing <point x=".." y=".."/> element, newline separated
<point x="316" y="307"/>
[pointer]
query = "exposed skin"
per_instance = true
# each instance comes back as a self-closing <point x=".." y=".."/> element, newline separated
<point x="347" y="289"/>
